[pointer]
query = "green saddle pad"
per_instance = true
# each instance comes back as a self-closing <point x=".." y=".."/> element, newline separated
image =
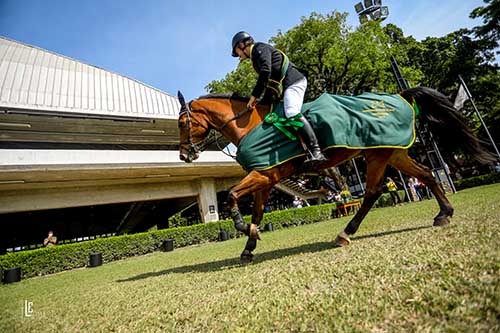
<point x="366" y="121"/>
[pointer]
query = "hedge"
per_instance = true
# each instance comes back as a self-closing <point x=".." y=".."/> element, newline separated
<point x="477" y="181"/>
<point x="385" y="199"/>
<point x="69" y="256"/>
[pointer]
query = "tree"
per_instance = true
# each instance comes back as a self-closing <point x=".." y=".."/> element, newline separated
<point x="490" y="30"/>
<point x="335" y="58"/>
<point x="240" y="81"/>
<point x="405" y="50"/>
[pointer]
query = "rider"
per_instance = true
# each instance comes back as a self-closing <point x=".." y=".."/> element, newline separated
<point x="278" y="78"/>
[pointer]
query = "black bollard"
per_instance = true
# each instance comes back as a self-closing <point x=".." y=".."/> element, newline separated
<point x="12" y="275"/>
<point x="223" y="236"/>
<point x="168" y="245"/>
<point x="268" y="227"/>
<point x="95" y="259"/>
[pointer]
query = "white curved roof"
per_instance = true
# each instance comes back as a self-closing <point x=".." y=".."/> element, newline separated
<point x="35" y="79"/>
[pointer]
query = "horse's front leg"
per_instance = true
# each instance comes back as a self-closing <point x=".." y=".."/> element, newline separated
<point x="259" y="185"/>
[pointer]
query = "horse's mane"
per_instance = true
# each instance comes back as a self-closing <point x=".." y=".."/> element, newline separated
<point x="230" y="96"/>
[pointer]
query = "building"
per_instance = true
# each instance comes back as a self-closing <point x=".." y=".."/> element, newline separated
<point x="75" y="135"/>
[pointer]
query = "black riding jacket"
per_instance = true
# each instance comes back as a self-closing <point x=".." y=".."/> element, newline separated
<point x="267" y="62"/>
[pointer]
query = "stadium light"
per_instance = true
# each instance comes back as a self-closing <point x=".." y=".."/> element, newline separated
<point x="371" y="9"/>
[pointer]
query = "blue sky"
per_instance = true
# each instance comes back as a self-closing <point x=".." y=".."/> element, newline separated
<point x="173" y="45"/>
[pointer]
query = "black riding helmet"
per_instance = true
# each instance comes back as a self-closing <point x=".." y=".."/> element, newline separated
<point x="241" y="36"/>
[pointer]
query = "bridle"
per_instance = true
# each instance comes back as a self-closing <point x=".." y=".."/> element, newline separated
<point x="197" y="147"/>
<point x="194" y="147"/>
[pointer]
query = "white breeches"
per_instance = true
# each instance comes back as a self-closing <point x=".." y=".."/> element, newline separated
<point x="294" y="97"/>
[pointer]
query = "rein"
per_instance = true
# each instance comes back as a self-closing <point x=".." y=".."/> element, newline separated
<point x="235" y="117"/>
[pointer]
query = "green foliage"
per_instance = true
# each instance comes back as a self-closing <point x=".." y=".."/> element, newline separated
<point x="491" y="178"/>
<point x="385" y="199"/>
<point x="68" y="256"/>
<point x="240" y="81"/>
<point x="336" y="58"/>
<point x="178" y="221"/>
<point x="490" y="14"/>
<point x="297" y="216"/>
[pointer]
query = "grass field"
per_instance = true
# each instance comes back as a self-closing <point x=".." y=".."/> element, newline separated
<point x="400" y="274"/>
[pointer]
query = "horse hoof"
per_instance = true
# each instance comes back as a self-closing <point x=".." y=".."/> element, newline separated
<point x="254" y="231"/>
<point x="246" y="258"/>
<point x="441" y="221"/>
<point x="342" y="240"/>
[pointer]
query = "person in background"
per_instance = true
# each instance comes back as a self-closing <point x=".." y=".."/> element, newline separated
<point x="297" y="203"/>
<point x="411" y="188"/>
<point x="51" y="240"/>
<point x="393" y="191"/>
<point x="418" y="189"/>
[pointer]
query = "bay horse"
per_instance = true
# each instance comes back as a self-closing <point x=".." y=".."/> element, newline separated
<point x="228" y="115"/>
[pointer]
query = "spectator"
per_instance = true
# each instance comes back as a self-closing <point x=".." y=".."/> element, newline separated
<point x="330" y="197"/>
<point x="393" y="191"/>
<point x="297" y="203"/>
<point x="411" y="187"/>
<point x="51" y="240"/>
<point x="337" y="197"/>
<point x="417" y="186"/>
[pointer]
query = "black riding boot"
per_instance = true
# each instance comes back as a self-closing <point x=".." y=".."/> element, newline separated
<point x="306" y="132"/>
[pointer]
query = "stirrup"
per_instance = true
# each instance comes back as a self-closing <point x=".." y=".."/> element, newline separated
<point x="315" y="158"/>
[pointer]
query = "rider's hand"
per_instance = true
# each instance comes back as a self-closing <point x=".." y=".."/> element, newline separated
<point x="251" y="103"/>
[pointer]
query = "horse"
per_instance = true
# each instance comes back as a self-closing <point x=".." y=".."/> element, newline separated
<point x="228" y="114"/>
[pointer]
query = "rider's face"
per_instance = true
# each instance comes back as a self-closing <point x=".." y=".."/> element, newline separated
<point x="240" y="53"/>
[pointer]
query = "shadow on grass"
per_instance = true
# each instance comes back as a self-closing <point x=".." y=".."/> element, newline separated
<point x="261" y="257"/>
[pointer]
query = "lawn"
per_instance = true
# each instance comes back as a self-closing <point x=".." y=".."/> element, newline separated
<point x="399" y="274"/>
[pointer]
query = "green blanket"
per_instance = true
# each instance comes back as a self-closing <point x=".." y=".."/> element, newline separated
<point x="369" y="120"/>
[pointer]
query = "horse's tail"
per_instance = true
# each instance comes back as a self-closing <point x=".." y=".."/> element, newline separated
<point x="448" y="126"/>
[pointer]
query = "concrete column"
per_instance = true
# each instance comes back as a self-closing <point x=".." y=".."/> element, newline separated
<point x="207" y="200"/>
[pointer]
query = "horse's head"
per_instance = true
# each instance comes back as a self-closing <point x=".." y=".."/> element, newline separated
<point x="193" y="128"/>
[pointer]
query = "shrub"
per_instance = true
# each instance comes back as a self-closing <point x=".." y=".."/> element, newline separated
<point x="477" y="181"/>
<point x="385" y="199"/>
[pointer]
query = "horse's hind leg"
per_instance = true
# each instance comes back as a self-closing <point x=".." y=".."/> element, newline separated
<point x="376" y="161"/>
<point x="260" y="199"/>
<point x="412" y="168"/>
